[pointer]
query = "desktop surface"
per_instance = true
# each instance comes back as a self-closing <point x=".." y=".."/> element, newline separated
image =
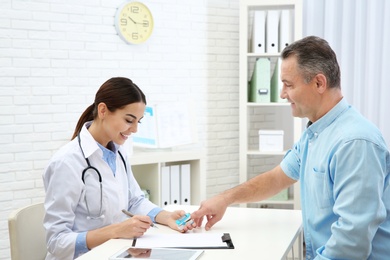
<point x="255" y="233"/>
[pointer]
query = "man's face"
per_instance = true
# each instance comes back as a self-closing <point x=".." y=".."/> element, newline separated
<point x="302" y="96"/>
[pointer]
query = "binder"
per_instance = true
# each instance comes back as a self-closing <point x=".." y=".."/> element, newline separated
<point x="285" y="29"/>
<point x="260" y="83"/>
<point x="258" y="32"/>
<point x="272" y="31"/>
<point x="276" y="83"/>
<point x="175" y="184"/>
<point x="185" y="184"/>
<point x="165" y="186"/>
<point x="186" y="241"/>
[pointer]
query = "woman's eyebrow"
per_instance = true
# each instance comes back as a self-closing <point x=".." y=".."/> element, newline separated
<point x="133" y="116"/>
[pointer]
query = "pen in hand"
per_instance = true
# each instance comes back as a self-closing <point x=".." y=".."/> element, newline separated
<point x="132" y="215"/>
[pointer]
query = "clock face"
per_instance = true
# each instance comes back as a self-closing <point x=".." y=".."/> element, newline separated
<point x="134" y="22"/>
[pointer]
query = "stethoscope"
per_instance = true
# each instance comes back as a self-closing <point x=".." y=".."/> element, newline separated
<point x="90" y="167"/>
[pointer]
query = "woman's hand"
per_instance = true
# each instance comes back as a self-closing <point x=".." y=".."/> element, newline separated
<point x="169" y="219"/>
<point x="133" y="227"/>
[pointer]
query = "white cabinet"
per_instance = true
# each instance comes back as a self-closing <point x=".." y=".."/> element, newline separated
<point x="146" y="167"/>
<point x="255" y="116"/>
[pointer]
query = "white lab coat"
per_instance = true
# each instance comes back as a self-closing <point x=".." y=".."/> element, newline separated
<point x="66" y="212"/>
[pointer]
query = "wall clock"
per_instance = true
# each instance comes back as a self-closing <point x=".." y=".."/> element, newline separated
<point x="134" y="22"/>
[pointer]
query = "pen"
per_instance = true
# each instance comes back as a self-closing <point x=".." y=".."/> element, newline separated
<point x="132" y="215"/>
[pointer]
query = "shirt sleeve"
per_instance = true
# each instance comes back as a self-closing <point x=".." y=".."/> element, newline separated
<point x="59" y="212"/>
<point x="81" y="244"/>
<point x="153" y="213"/>
<point x="357" y="193"/>
<point x="291" y="163"/>
<point x="137" y="203"/>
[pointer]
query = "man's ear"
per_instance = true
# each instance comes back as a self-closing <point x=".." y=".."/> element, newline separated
<point x="321" y="83"/>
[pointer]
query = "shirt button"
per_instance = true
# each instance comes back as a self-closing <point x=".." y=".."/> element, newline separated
<point x="316" y="135"/>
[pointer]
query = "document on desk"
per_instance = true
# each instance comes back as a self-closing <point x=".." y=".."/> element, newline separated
<point x="187" y="240"/>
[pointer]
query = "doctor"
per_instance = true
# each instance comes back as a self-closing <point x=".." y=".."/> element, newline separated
<point x="89" y="181"/>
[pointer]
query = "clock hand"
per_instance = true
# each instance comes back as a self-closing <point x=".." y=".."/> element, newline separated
<point x="132" y="20"/>
<point x="143" y="23"/>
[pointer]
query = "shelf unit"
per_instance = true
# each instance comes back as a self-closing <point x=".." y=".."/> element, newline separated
<point x="265" y="116"/>
<point x="146" y="166"/>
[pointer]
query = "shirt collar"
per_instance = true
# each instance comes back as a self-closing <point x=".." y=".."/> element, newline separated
<point x="108" y="152"/>
<point x="87" y="142"/>
<point x="322" y="123"/>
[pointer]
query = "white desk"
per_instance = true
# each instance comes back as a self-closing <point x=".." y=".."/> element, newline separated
<point x="256" y="234"/>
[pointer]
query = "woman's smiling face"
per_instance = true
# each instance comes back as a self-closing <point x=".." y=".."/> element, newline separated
<point x="117" y="126"/>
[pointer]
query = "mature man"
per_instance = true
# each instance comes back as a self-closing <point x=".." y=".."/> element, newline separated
<point x="341" y="161"/>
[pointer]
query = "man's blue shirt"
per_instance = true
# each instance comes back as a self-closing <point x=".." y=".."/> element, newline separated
<point x="343" y="166"/>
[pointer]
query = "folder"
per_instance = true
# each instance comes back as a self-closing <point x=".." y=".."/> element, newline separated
<point x="276" y="83"/>
<point x="272" y="32"/>
<point x="146" y="136"/>
<point x="188" y="240"/>
<point x="175" y="184"/>
<point x="285" y="29"/>
<point x="165" y="186"/>
<point x="167" y="125"/>
<point x="258" y="32"/>
<point x="185" y="184"/>
<point x="260" y="83"/>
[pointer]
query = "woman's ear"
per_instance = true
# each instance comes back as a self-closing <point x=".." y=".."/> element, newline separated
<point x="102" y="110"/>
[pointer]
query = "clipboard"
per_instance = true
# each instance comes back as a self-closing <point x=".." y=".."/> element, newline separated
<point x="186" y="241"/>
<point x="156" y="253"/>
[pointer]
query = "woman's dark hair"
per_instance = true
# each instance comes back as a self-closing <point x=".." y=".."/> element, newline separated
<point x="116" y="93"/>
<point x="314" y="56"/>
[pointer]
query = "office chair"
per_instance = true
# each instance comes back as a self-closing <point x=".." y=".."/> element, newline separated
<point x="26" y="233"/>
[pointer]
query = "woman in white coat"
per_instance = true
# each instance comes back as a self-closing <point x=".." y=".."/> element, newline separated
<point x="89" y="181"/>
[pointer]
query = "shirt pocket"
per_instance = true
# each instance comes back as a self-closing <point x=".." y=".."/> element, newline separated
<point x="321" y="189"/>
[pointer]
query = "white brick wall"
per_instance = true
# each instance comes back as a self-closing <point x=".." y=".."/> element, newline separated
<point x="55" y="54"/>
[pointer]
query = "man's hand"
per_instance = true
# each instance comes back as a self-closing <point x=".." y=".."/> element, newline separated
<point x="213" y="209"/>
